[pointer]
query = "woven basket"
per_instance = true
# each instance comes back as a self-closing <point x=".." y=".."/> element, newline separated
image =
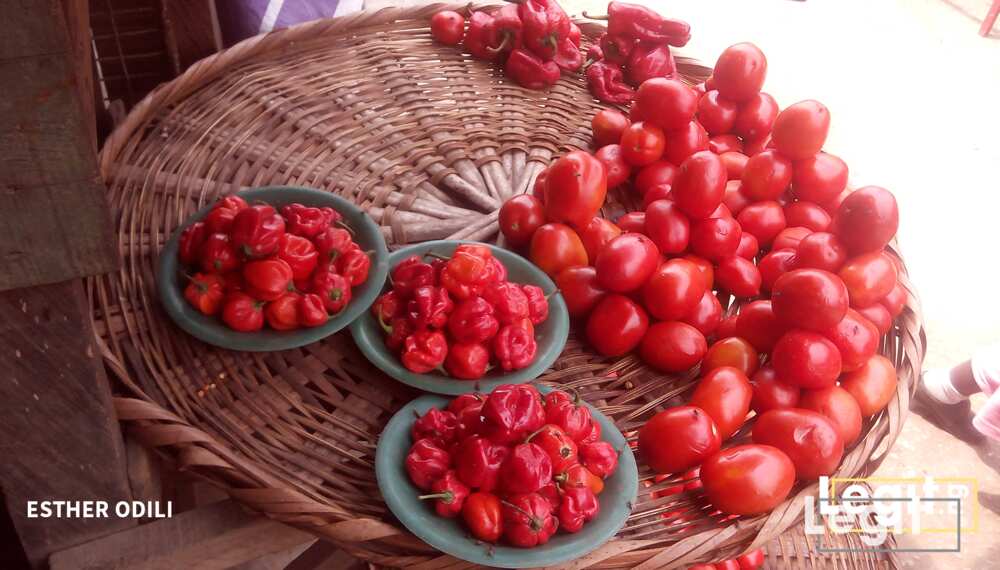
<point x="430" y="142"/>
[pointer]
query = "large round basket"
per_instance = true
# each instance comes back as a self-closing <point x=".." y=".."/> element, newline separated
<point x="429" y="142"/>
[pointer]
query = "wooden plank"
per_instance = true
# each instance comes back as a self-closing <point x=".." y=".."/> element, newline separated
<point x="57" y="424"/>
<point x="78" y="31"/>
<point x="276" y="561"/>
<point x="221" y="535"/>
<point x="191" y="28"/>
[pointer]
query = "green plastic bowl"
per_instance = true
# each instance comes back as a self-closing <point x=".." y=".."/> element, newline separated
<point x="213" y="331"/>
<point x="551" y="335"/>
<point x="451" y="537"/>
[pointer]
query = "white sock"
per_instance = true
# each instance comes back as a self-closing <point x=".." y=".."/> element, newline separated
<point x="937" y="381"/>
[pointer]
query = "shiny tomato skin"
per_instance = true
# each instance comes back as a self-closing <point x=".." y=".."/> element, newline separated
<point x="596" y="234"/>
<point x="724" y="394"/>
<point x="677" y="439"/>
<point x="809" y="298"/>
<point x="667" y="103"/>
<point x="766" y="176"/>
<point x="751" y="560"/>
<point x="668" y="227"/>
<point x="555" y="247"/>
<point x="748" y="247"/>
<point x="734" y="198"/>
<point x="807" y="215"/>
<point x="821" y="250"/>
<point x="726" y="328"/>
<point x="700" y="185"/>
<point x="869" y="278"/>
<point x="658" y="192"/>
<point x="634" y="222"/>
<point x="733" y="352"/>
<point x="642" y="143"/>
<point x="747" y="479"/>
<point x="839" y="407"/>
<point x="770" y="393"/>
<point x="685" y="141"/>
<point x="755" y="147"/>
<point x="735" y="163"/>
<point x="738" y="276"/>
<point x="674" y="290"/>
<point x="764" y="220"/>
<point x="740" y="71"/>
<point x="575" y="187"/>
<point x="730" y="564"/>
<point x="626" y="262"/>
<point x="608" y="126"/>
<point x="895" y="300"/>
<point x="756" y="116"/>
<point x="654" y="174"/>
<point x="618" y="171"/>
<point x="716" y="113"/>
<point x="721" y="144"/>
<point x="758" y="324"/>
<point x="774" y="264"/>
<point x="808" y="438"/>
<point x="706" y="315"/>
<point x="705" y="268"/>
<point x="833" y="205"/>
<point x="806" y="359"/>
<point x="447" y="27"/>
<point x="616" y="325"/>
<point x="520" y="217"/>
<point x="715" y="238"/>
<point x="672" y="346"/>
<point x="867" y="219"/>
<point x="819" y="178"/>
<point x="800" y="130"/>
<point x="538" y="186"/>
<point x="790" y="238"/>
<point x="879" y="316"/>
<point x="579" y="289"/>
<point x="873" y="385"/>
<point x="721" y="211"/>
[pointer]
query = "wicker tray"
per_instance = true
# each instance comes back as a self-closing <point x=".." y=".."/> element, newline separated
<point x="430" y="142"/>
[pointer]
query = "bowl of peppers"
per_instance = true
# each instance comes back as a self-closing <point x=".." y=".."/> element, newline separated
<point x="521" y="477"/>
<point x="457" y="317"/>
<point x="217" y="271"/>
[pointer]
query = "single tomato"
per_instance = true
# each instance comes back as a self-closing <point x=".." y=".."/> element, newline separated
<point x="672" y="346"/>
<point x="895" y="300"/>
<point x="596" y="234"/>
<point x="807" y="215"/>
<point x="668" y="227"/>
<point x="879" y="316"/>
<point x="700" y="185"/>
<point x="873" y="385"/>
<point x="869" y="278"/>
<point x="654" y="174"/>
<point x="716" y="113"/>
<point x="839" y="407"/>
<point x="856" y="338"/>
<point x="751" y="560"/>
<point x="735" y="163"/>
<point x="764" y="220"/>
<point x="739" y="276"/>
<point x="715" y="238"/>
<point x="608" y="126"/>
<point x="867" y="219"/>
<point x="616" y="325"/>
<point x="538" y="186"/>
<point x="809" y="298"/>
<point x="678" y="439"/>
<point x="555" y="247"/>
<point x="726" y="328"/>
<point x="724" y="394"/>
<point x="732" y="352"/>
<point x="626" y="262"/>
<point x="748" y="248"/>
<point x="632" y="222"/>
<point x="642" y="143"/>
<point x="575" y="187"/>
<point x="740" y="71"/>
<point x="674" y="290"/>
<point x="766" y="176"/>
<point x="658" y="192"/>
<point x="683" y="142"/>
<point x="770" y="393"/>
<point x="706" y="315"/>
<point x="520" y="217"/>
<point x="747" y="479"/>
<point x="734" y="198"/>
<point x="705" y="268"/>
<point x="806" y="359"/>
<point x="579" y="289"/>
<point x="800" y="130"/>
<point x="618" y="171"/>
<point x="757" y="146"/>
<point x="721" y="144"/>
<point x="667" y="103"/>
<point x="447" y="27"/>
<point x="775" y="264"/>
<point x="821" y="250"/>
<point x="758" y="324"/>
<point x="808" y="438"/>
<point x="790" y="238"/>
<point x="819" y="178"/>
<point x="755" y="119"/>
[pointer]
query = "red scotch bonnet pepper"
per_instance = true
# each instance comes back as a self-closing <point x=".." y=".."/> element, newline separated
<point x="526" y="470"/>
<point x="512" y="412"/>
<point x="530" y="71"/>
<point x="449" y="495"/>
<point x="424" y="351"/>
<point x="429" y="307"/>
<point x="515" y="347"/>
<point x="220" y="218"/>
<point x="426" y="462"/>
<point x="478" y="462"/>
<point x="528" y="520"/>
<point x="472" y="321"/>
<point x="257" y="231"/>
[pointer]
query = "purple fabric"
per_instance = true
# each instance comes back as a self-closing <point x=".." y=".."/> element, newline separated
<point x="241" y="19"/>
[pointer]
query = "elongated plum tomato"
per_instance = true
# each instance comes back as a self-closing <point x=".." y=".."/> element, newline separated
<point x="879" y="316"/>
<point x="748" y="247"/>
<point x="766" y="176"/>
<point x="839" y="407"/>
<point x="821" y="250"/>
<point x="597" y="234"/>
<point x="806" y="359"/>
<point x="724" y="394"/>
<point x="579" y="289"/>
<point x="705" y="268"/>
<point x="575" y="187"/>
<point x="447" y="27"/>
<point x="715" y="238"/>
<point x="868" y="278"/>
<point x="626" y="262"/>
<point x="616" y="325"/>
<point x="732" y="352"/>
<point x="716" y="113"/>
<point x="810" y="299"/>
<point x="867" y="219"/>
<point x="807" y="215"/>
<point x="790" y="238"/>
<point x="674" y="290"/>
<point x="747" y="479"/>
<point x="617" y="169"/>
<point x="764" y="220"/>
<point x="740" y="71"/>
<point x="659" y="192"/>
<point x="776" y="263"/>
<point x="654" y="174"/>
<point x="770" y="393"/>
<point x="808" y="438"/>
<point x="734" y="198"/>
<point x="668" y="227"/>
<point x="735" y="163"/>
<point x="520" y="217"/>
<point x="755" y="119"/>
<point x="608" y="126"/>
<point x="758" y="324"/>
<point x="856" y="338"/>
<point x="555" y="247"/>
<point x="700" y="185"/>
<point x="672" y="346"/>
<point x="873" y="385"/>
<point x="738" y="276"/>
<point x="685" y="141"/>
<point x="819" y="178"/>
<point x="895" y="300"/>
<point x="642" y="143"/>
<point x="678" y="439"/>
<point x="800" y="130"/>
<point x="706" y="315"/>
<point x="667" y="103"/>
<point x="634" y="222"/>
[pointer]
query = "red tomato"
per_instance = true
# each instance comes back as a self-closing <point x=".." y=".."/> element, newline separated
<point x="716" y="113"/>
<point x="833" y="205"/>
<point x="809" y="298"/>
<point x="726" y="328"/>
<point x="734" y="352"/>
<point x="740" y="71"/>
<point x="790" y="238"/>
<point x="642" y="143"/>
<point x="775" y="264"/>
<point x="800" y="130"/>
<point x="674" y="290"/>
<point x="755" y="147"/>
<point x="659" y="192"/>
<point x="895" y="300"/>
<point x="668" y="227"/>
<point x="685" y="141"/>
<point x="873" y="385"/>
<point x="806" y="359"/>
<point x="766" y="176"/>
<point x="616" y="325"/>
<point x="807" y="215"/>
<point x="734" y="199"/>
<point x="758" y="324"/>
<point x="735" y="163"/>
<point x="520" y="217"/>
<point x="626" y="262"/>
<point x="751" y="560"/>
<point x="715" y="238"/>
<point x="579" y="289"/>
<point x="672" y="346"/>
<point x="677" y="439"/>
<point x="748" y="247"/>
<point x="755" y="118"/>
<point x="730" y="564"/>
<point x="618" y="171"/>
<point x="706" y="314"/>
<point x="819" y="178"/>
<point x="705" y="268"/>
<point x="868" y="278"/>
<point x="666" y="103"/>
<point x="879" y="316"/>
<point x="634" y="222"/>
<point x="724" y="394"/>
<point x="447" y="27"/>
<point x="575" y="187"/>
<point x="747" y="479"/>
<point x="555" y="247"/>
<point x="597" y="234"/>
<point x="821" y="250"/>
<point x="721" y="144"/>
<point x="738" y="276"/>
<point x="839" y="407"/>
<point x="764" y="220"/>
<point x="867" y="219"/>
<point x="808" y="438"/>
<point x="538" y="186"/>
<point x="770" y="393"/>
<point x="700" y="185"/>
<point x="608" y="126"/>
<point x="721" y="211"/>
<point x="654" y="174"/>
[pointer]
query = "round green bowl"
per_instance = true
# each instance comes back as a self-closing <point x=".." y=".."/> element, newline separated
<point x="551" y="335"/>
<point x="214" y="331"/>
<point x="451" y="537"/>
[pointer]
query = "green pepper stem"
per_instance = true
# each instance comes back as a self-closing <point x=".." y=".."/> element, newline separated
<point x="436" y="255"/>
<point x="446" y="497"/>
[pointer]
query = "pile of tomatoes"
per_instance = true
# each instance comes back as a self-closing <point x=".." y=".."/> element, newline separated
<point x="460" y="312"/>
<point x="251" y="265"/>
<point x="512" y="464"/>
<point x="738" y="199"/>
